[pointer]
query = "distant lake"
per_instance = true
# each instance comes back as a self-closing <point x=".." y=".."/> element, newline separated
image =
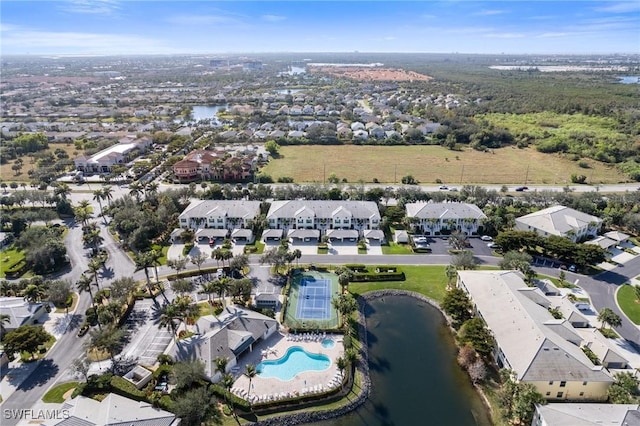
<point x="415" y="377"/>
<point x="293" y="71"/>
<point x="206" y="112"/>
<point x="632" y="79"/>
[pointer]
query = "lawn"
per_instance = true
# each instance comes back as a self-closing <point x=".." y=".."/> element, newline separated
<point x="9" y="258"/>
<point x="394" y="248"/>
<point x="27" y="357"/>
<point x="428" y="280"/>
<point x="390" y="163"/>
<point x="56" y="394"/>
<point x="626" y="297"/>
<point x="164" y="249"/>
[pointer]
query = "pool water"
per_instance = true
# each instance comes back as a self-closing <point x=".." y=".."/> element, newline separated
<point x="328" y="343"/>
<point x="294" y="362"/>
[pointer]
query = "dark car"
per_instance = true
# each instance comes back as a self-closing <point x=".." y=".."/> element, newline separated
<point x="521" y="188"/>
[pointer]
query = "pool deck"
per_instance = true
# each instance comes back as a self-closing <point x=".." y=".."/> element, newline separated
<point x="276" y="346"/>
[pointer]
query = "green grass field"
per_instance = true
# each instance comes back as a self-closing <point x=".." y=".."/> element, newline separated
<point x="8" y="258"/>
<point x="56" y="394"/>
<point x="389" y="164"/>
<point x="627" y="300"/>
<point x="428" y="280"/>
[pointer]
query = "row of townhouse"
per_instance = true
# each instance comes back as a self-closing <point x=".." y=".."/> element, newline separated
<point x="540" y="349"/>
<point x="424" y="218"/>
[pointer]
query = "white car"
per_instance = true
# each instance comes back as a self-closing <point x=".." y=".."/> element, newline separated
<point x="493" y="245"/>
<point x="453" y="189"/>
<point x="486" y="238"/>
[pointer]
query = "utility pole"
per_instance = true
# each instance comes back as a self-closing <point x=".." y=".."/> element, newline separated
<point x="324" y="173"/>
<point x="526" y="176"/>
<point x="395" y="174"/>
<point x="461" y="174"/>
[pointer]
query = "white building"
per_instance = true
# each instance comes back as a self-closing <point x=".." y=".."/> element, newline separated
<point x="228" y="335"/>
<point x="118" y="154"/>
<point x="561" y="221"/>
<point x="444" y="218"/>
<point x="540" y="349"/>
<point x="585" y="414"/>
<point x="323" y="215"/>
<point x="219" y="214"/>
<point x="21" y="312"/>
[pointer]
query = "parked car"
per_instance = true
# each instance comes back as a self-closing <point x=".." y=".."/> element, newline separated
<point x="493" y="245"/>
<point x="486" y="238"/>
<point x="521" y="188"/>
<point x="219" y="273"/>
<point x="443" y="187"/>
<point x="573" y="268"/>
<point x="453" y="189"/>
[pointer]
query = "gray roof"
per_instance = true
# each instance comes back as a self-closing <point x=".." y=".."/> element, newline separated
<point x="229" y="208"/>
<point x="239" y="233"/>
<point x="617" y="236"/>
<point x="326" y="209"/>
<point x="375" y="234"/>
<point x="212" y="232"/>
<point x="303" y="233"/>
<point x="19" y="310"/>
<point x="226" y="335"/>
<point x="272" y="233"/>
<point x="342" y="233"/>
<point x="114" y="410"/>
<point x="602" y="242"/>
<point x="537" y="347"/>
<point x="588" y="414"/>
<point x="558" y="220"/>
<point x="444" y="211"/>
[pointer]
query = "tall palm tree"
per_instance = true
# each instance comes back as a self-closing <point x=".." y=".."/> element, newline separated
<point x="227" y="382"/>
<point x="341" y="363"/>
<point x="93" y="238"/>
<point x="226" y="255"/>
<point x="149" y="189"/>
<point x="222" y="286"/>
<point x="82" y="215"/>
<point x="98" y="196"/>
<point x="217" y="255"/>
<point x="145" y="261"/>
<point x="297" y="254"/>
<point x="250" y="372"/>
<point x="135" y="190"/>
<point x="62" y="190"/>
<point x="169" y="313"/>
<point x="107" y="194"/>
<point x="94" y="267"/>
<point x="84" y="284"/>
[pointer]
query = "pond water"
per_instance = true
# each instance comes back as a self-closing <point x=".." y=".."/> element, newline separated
<point x="415" y="376"/>
<point x="630" y="79"/>
<point x="206" y="112"/>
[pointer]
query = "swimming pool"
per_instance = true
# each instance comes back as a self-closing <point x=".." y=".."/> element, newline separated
<point x="328" y="343"/>
<point x="294" y="362"/>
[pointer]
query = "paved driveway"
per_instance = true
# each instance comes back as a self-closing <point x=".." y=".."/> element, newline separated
<point x="346" y="247"/>
<point x="374" y="248"/>
<point x="305" y="248"/>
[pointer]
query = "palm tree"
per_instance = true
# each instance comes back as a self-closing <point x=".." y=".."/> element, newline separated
<point x="84" y="284"/>
<point x="94" y="267"/>
<point x="98" y="196"/>
<point x="227" y="382"/>
<point x="222" y="285"/>
<point x="297" y="254"/>
<point x="169" y="313"/>
<point x="607" y="317"/>
<point x="145" y="261"/>
<point x="221" y="364"/>
<point x="135" y="190"/>
<point x="109" y="339"/>
<point x="93" y="238"/>
<point x="62" y="190"/>
<point x="250" y="372"/>
<point x="82" y="215"/>
<point x="150" y="188"/>
<point x="209" y="288"/>
<point x="226" y="255"/>
<point x="33" y="293"/>
<point x="341" y="363"/>
<point x="217" y="255"/>
<point x="4" y="318"/>
<point x="107" y="194"/>
<point x="345" y="305"/>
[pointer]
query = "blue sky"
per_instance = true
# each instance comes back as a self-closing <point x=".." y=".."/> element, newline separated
<point x="167" y="27"/>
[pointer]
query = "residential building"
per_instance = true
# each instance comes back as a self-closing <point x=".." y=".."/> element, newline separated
<point x="561" y="221"/>
<point x="586" y="414"/>
<point x="201" y="164"/>
<point x="323" y="215"/>
<point x="21" y="312"/>
<point x="219" y="214"/>
<point x="444" y="218"/>
<point x="119" y="154"/>
<point x="113" y="410"/>
<point x="228" y="335"/>
<point x="539" y="349"/>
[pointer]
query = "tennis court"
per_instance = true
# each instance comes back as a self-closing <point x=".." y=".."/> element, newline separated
<point x="310" y="301"/>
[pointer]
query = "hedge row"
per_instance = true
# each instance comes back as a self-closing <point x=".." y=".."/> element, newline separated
<point x="123" y="387"/>
<point x="382" y="276"/>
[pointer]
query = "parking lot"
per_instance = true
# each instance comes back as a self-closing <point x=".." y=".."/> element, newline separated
<point x="146" y="340"/>
<point x="440" y="245"/>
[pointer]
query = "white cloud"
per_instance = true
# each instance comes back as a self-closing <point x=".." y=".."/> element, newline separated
<point x="273" y="18"/>
<point x="620" y="7"/>
<point x="552" y="35"/>
<point x="202" y="20"/>
<point x="92" y="7"/>
<point x="490" y="12"/>
<point x="504" y="35"/>
<point x="19" y="41"/>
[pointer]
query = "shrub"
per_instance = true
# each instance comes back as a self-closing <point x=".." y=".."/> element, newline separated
<point x="125" y="388"/>
<point x="578" y="178"/>
<point x="583" y="164"/>
<point x="223" y="394"/>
